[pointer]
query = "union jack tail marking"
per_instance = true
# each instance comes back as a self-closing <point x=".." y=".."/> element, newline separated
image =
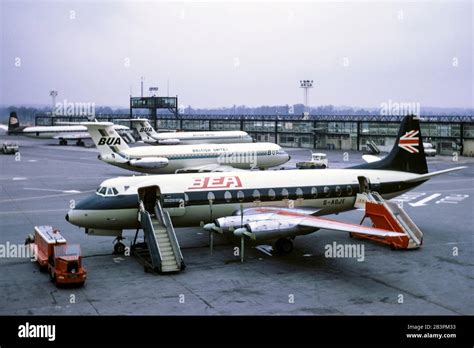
<point x="409" y="141"/>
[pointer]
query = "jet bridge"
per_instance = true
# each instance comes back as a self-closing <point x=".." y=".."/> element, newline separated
<point x="161" y="251"/>
<point x="389" y="216"/>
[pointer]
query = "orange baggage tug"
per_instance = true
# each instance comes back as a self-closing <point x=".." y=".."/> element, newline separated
<point x="63" y="261"/>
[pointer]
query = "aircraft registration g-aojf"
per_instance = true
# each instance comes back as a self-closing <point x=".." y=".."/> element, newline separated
<point x="271" y="205"/>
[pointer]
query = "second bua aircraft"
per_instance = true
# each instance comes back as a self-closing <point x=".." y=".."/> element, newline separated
<point x="148" y="135"/>
<point x="183" y="158"/>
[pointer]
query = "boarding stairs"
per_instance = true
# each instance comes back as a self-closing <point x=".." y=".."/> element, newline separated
<point x="163" y="246"/>
<point x="389" y="216"/>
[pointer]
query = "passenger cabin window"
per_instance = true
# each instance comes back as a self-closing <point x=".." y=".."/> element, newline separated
<point x="338" y="190"/>
<point x="256" y="195"/>
<point x="314" y="192"/>
<point x="240" y="196"/>
<point x="271" y="194"/>
<point x="349" y="190"/>
<point x="211" y="196"/>
<point x="299" y="193"/>
<point x="327" y="191"/>
<point x="228" y="196"/>
<point x="284" y="193"/>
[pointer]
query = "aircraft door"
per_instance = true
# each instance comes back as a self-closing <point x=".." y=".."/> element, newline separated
<point x="173" y="203"/>
<point x="149" y="195"/>
<point x="364" y="184"/>
<point x="367" y="185"/>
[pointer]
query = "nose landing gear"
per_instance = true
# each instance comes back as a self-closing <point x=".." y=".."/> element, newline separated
<point x="119" y="247"/>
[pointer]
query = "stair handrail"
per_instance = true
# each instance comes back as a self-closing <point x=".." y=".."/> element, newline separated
<point x="146" y="223"/>
<point x="165" y="218"/>
<point x="173" y="240"/>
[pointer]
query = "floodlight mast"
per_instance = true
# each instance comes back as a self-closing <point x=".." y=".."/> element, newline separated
<point x="306" y="85"/>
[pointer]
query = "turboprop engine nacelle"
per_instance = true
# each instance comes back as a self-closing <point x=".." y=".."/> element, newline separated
<point x="169" y="142"/>
<point x="149" y="162"/>
<point x="230" y="223"/>
<point x="273" y="229"/>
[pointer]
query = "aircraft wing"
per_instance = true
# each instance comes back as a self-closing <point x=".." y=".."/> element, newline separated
<point x="260" y="220"/>
<point x="208" y="168"/>
<point x="72" y="136"/>
<point x="423" y="177"/>
<point x="370" y="158"/>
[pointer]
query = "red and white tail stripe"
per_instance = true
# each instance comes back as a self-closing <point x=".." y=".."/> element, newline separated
<point x="409" y="141"/>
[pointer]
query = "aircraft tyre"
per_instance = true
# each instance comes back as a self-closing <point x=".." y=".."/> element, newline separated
<point x="284" y="246"/>
<point x="119" y="248"/>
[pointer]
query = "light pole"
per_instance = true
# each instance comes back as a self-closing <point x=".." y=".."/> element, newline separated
<point x="53" y="95"/>
<point x="306" y="85"/>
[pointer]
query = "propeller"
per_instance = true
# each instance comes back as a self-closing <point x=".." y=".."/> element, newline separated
<point x="211" y="198"/>
<point x="242" y="233"/>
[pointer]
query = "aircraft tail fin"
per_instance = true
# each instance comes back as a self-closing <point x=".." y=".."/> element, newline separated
<point x="106" y="139"/>
<point x="145" y="130"/>
<point x="408" y="154"/>
<point x="13" y="122"/>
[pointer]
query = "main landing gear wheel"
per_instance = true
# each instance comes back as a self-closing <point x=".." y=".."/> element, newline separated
<point x="119" y="247"/>
<point x="62" y="142"/>
<point x="80" y="143"/>
<point x="284" y="246"/>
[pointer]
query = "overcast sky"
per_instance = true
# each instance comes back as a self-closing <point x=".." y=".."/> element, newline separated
<point x="220" y="54"/>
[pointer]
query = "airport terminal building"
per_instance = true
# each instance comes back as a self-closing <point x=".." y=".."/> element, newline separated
<point x="335" y="132"/>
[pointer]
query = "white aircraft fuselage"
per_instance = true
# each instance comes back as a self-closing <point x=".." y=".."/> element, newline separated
<point x="150" y="136"/>
<point x="175" y="158"/>
<point x="219" y="137"/>
<point x="187" y="197"/>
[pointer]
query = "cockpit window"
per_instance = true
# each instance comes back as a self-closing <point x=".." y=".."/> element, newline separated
<point x="107" y="191"/>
